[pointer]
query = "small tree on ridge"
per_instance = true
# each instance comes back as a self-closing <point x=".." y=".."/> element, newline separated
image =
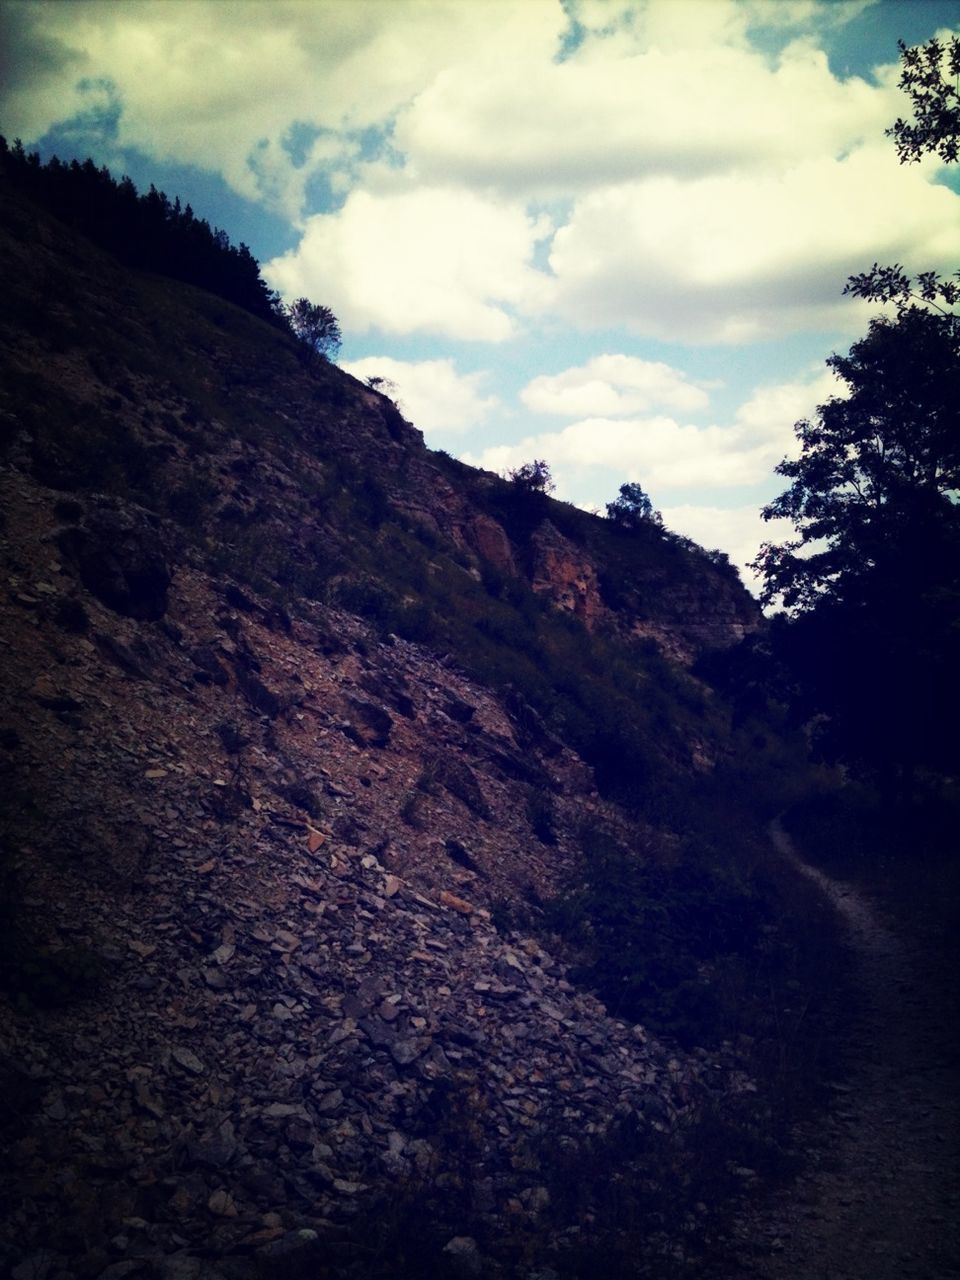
<point x="316" y="327"/>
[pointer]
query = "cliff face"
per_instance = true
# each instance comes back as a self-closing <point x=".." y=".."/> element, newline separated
<point x="641" y="583"/>
<point x="261" y="826"/>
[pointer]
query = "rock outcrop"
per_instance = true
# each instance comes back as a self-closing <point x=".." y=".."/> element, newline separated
<point x="265" y="1002"/>
<point x="269" y="864"/>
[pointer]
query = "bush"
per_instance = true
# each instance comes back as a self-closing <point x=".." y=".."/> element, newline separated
<point x="653" y="939"/>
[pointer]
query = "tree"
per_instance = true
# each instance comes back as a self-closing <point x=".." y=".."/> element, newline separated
<point x="876" y="479"/>
<point x="316" y="327"/>
<point x="872" y="652"/>
<point x="533" y="477"/>
<point x="632" y="509"/>
<point x="873" y="577"/>
<point x="930" y="75"/>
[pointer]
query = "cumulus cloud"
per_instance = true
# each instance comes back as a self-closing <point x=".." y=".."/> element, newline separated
<point x="693" y="24"/>
<point x="739" y="531"/>
<point x="660" y="452"/>
<point x="663" y="453"/>
<point x="433" y="260"/>
<point x="432" y="394"/>
<point x="609" y="115"/>
<point x="610" y="385"/>
<point x="685" y="209"/>
<point x="211" y="84"/>
<point x="737" y="258"/>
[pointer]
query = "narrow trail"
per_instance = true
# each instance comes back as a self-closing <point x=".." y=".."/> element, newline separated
<point x="880" y="1199"/>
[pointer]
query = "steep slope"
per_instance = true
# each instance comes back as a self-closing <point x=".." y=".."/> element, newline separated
<point x="302" y="728"/>
<point x="174" y="395"/>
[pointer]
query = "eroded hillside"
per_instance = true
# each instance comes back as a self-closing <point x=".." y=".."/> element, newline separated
<point x="303" y="730"/>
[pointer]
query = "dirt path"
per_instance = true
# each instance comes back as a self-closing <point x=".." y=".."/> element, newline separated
<point x="881" y="1198"/>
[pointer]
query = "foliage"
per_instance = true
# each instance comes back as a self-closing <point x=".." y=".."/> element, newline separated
<point x="893" y="284"/>
<point x="651" y="935"/>
<point x="632" y="508"/>
<point x="930" y="75"/>
<point x="874" y="486"/>
<point x="146" y="231"/>
<point x="871" y="658"/>
<point x="873" y="574"/>
<point x="533" y="477"/>
<point x="315" y="326"/>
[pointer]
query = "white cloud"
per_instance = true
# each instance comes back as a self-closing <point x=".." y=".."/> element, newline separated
<point x="739" y="531"/>
<point x="431" y="393"/>
<point x="664" y="103"/>
<point x="742" y="257"/>
<point x="610" y="385"/>
<point x="659" y="452"/>
<point x="433" y="260"/>
<point x="709" y="190"/>
<point x="210" y="83"/>
<point x="663" y="453"/>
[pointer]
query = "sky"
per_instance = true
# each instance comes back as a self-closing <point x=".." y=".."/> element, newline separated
<point x="611" y="234"/>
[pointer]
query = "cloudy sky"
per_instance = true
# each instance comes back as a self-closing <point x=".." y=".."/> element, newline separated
<point x="612" y="234"/>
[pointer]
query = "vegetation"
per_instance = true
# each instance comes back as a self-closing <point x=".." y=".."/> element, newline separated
<point x="315" y="326"/>
<point x="150" y="232"/>
<point x="632" y="507"/>
<point x="533" y="477"/>
<point x="871" y="656"/>
<point x="930" y="74"/>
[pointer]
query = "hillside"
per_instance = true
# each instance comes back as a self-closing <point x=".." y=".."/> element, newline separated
<point x="380" y="898"/>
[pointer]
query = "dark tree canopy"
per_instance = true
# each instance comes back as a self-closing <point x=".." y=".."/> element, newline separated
<point x="876" y="480"/>
<point x="533" y="477"/>
<point x="151" y="232"/>
<point x="873" y="574"/>
<point x="871" y="653"/>
<point x="632" y="508"/>
<point x="930" y="75"/>
<point x="315" y="326"/>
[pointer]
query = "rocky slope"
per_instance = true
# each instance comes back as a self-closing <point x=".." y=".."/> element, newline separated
<point x="256" y="999"/>
<point x="258" y="859"/>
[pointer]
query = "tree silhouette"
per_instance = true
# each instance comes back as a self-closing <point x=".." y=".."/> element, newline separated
<point x="873" y="576"/>
<point x="533" y="477"/>
<point x="876" y="479"/>
<point x="144" y="231"/>
<point x="633" y="509"/>
<point x="316" y="328"/>
<point x="871" y="656"/>
<point x="930" y="75"/>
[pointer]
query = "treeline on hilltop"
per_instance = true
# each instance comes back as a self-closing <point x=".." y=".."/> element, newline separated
<point x="145" y="231"/>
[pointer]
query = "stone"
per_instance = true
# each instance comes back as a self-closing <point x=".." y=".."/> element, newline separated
<point x="294" y="1256"/>
<point x="187" y="1059"/>
<point x="180" y="1266"/>
<point x="261" y="698"/>
<point x="134" y="659"/>
<point x="459" y="905"/>
<point x="404" y="1052"/>
<point x="222" y="1205"/>
<point x="217" y="1149"/>
<point x="36" y="1267"/>
<point x="120" y="559"/>
<point x="369" y="725"/>
<point x="146" y="1100"/>
<point x="456" y="776"/>
<point x="464" y="1257"/>
<point x="116" y="1270"/>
